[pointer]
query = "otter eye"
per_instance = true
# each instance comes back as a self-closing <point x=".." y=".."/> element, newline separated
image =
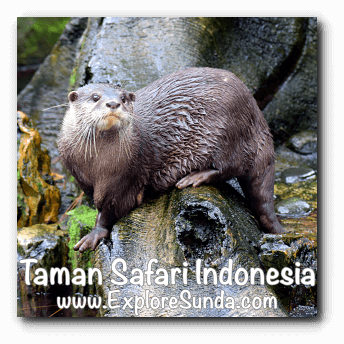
<point x="95" y="97"/>
<point x="123" y="99"/>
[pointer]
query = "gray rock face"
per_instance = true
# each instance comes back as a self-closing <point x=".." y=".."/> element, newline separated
<point x="275" y="57"/>
<point x="175" y="231"/>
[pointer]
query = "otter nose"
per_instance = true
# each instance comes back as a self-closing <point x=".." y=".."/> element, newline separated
<point x="113" y="105"/>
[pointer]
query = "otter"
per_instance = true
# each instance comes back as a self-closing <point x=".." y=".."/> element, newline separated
<point x="191" y="127"/>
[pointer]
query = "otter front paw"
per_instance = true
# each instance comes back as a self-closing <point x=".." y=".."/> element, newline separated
<point x="91" y="240"/>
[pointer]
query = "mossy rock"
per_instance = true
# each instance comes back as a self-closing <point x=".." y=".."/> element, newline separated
<point x="78" y="223"/>
<point x="39" y="199"/>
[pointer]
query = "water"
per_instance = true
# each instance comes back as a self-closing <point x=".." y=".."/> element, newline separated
<point x="45" y="305"/>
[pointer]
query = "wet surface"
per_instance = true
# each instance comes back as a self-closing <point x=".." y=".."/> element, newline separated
<point x="154" y="231"/>
<point x="45" y="305"/>
<point x="304" y="311"/>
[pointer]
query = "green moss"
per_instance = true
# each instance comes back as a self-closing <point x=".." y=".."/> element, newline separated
<point x="84" y="214"/>
<point x="306" y="190"/>
<point x="40" y="188"/>
<point x="73" y="78"/>
<point x="82" y="220"/>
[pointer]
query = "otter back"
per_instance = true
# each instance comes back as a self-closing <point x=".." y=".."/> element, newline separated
<point x="204" y="118"/>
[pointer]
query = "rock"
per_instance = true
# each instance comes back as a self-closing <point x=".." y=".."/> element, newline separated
<point x="275" y="57"/>
<point x="44" y="243"/>
<point x="286" y="158"/>
<point x="47" y="244"/>
<point x="49" y="85"/>
<point x="206" y="223"/>
<point x="295" y="175"/>
<point x="294" y="249"/>
<point x="292" y="207"/>
<point x="38" y="197"/>
<point x="293" y="108"/>
<point x="304" y="142"/>
<point x="304" y="311"/>
<point x="297" y="160"/>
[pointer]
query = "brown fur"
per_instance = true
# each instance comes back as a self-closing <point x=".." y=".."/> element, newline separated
<point x="188" y="128"/>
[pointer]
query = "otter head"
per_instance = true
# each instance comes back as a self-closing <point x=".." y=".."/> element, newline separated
<point x="103" y="106"/>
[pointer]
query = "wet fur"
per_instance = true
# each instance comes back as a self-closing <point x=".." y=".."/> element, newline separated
<point x="198" y="119"/>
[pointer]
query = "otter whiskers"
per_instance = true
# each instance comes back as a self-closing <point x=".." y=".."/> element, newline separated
<point x="56" y="106"/>
<point x="87" y="136"/>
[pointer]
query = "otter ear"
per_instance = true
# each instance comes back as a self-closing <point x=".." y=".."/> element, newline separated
<point x="72" y="96"/>
<point x="131" y="96"/>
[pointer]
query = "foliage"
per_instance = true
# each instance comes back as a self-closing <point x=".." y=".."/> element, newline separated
<point x="37" y="36"/>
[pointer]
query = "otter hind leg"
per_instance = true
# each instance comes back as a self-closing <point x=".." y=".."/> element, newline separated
<point x="259" y="192"/>
<point x="198" y="178"/>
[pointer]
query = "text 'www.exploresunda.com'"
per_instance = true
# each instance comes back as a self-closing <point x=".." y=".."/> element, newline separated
<point x="185" y="300"/>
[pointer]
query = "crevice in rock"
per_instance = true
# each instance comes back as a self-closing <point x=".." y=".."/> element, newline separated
<point x="101" y="20"/>
<point x="88" y="75"/>
<point x="274" y="82"/>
